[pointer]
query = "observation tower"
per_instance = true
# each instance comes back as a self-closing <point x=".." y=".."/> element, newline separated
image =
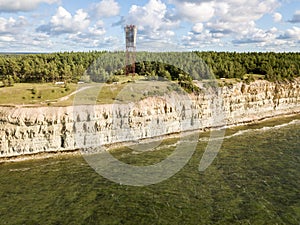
<point x="130" y="38"/>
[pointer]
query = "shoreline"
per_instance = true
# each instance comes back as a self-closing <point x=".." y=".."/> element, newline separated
<point x="77" y="152"/>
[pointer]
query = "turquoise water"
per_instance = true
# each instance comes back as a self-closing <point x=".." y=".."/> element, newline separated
<point x="255" y="179"/>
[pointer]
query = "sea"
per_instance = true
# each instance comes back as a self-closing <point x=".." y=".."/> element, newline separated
<point x="254" y="179"/>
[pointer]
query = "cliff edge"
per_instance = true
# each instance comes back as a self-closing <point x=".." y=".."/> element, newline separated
<point x="26" y="131"/>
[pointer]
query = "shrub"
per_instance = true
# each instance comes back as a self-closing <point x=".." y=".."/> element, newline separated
<point x="67" y="87"/>
<point x="8" y="81"/>
<point x="33" y="91"/>
<point x="112" y="80"/>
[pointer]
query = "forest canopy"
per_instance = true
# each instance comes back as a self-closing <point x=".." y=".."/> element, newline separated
<point x="93" y="66"/>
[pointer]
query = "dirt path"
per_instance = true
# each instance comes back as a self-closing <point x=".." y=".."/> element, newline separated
<point x="73" y="93"/>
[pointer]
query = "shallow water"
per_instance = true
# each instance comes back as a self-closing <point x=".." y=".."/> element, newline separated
<point x="255" y="179"/>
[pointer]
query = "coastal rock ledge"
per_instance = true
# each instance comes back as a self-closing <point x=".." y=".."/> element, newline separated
<point x="31" y="130"/>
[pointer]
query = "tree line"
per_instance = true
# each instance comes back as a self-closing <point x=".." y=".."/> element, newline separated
<point x="99" y="66"/>
<point x="274" y="66"/>
<point x="51" y="67"/>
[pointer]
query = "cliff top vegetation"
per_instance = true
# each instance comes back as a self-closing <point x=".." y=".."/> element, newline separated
<point x="34" y="75"/>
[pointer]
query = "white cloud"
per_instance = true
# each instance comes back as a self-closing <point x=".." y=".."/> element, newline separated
<point x="225" y="27"/>
<point x="22" y="5"/>
<point x="225" y="10"/>
<point x="258" y="36"/>
<point x="293" y="33"/>
<point x="16" y="35"/>
<point x="78" y="28"/>
<point x="91" y="35"/>
<point x="86" y="41"/>
<point x="195" y="12"/>
<point x="245" y="10"/>
<point x="7" y="38"/>
<point x="152" y="20"/>
<point x="106" y="8"/>
<point x="205" y="39"/>
<point x="227" y="33"/>
<point x="220" y="21"/>
<point x="198" y="28"/>
<point x="63" y="22"/>
<point x="274" y="30"/>
<point x="203" y="24"/>
<point x="11" y="25"/>
<point x="296" y="17"/>
<point x="277" y="17"/>
<point x="98" y="29"/>
<point x="37" y="42"/>
<point x="151" y="15"/>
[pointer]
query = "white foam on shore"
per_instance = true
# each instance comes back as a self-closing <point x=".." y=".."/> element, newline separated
<point x="241" y="132"/>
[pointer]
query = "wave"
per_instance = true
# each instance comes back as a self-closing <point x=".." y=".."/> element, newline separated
<point x="219" y="137"/>
<point x="19" y="170"/>
<point x="241" y="132"/>
<point x="158" y="148"/>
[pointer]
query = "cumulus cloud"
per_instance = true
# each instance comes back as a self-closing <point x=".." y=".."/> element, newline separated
<point x="194" y="11"/>
<point x="256" y="35"/>
<point x="153" y="20"/>
<point x="91" y="35"/>
<point x="243" y="11"/>
<point x="97" y="29"/>
<point x="22" y="5"/>
<point x="11" y="25"/>
<point x="225" y="28"/>
<point x="87" y="42"/>
<point x="16" y="35"/>
<point x="63" y="22"/>
<point x="150" y="15"/>
<point x="161" y="23"/>
<point x="293" y="33"/>
<point x="277" y="17"/>
<point x="296" y="17"/>
<point x="226" y="10"/>
<point x="202" y="40"/>
<point x="7" y="38"/>
<point x="79" y="28"/>
<point x="106" y="8"/>
<point x="221" y="20"/>
<point x="198" y="28"/>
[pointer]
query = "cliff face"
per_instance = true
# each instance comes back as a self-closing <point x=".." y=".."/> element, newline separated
<point x="46" y="129"/>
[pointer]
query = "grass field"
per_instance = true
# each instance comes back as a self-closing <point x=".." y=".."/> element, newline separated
<point x="230" y="81"/>
<point x="128" y="89"/>
<point x="34" y="94"/>
<point x="122" y="92"/>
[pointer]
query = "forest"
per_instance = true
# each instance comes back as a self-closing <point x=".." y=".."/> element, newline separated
<point x="101" y="66"/>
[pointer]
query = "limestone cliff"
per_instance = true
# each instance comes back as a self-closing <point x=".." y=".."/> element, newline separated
<point x="47" y="129"/>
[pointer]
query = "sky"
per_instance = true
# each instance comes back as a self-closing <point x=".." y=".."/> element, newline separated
<point x="163" y="25"/>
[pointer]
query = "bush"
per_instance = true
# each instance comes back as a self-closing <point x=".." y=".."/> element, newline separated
<point x="11" y="81"/>
<point x="112" y="80"/>
<point x="67" y="88"/>
<point x="85" y="79"/>
<point x="33" y="91"/>
<point x="8" y="81"/>
<point x="249" y="79"/>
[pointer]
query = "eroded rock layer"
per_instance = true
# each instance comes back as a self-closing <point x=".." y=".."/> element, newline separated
<point x="47" y="129"/>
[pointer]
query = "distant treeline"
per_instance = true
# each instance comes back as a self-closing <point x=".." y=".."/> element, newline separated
<point x="50" y="67"/>
<point x="274" y="66"/>
<point x="100" y="66"/>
